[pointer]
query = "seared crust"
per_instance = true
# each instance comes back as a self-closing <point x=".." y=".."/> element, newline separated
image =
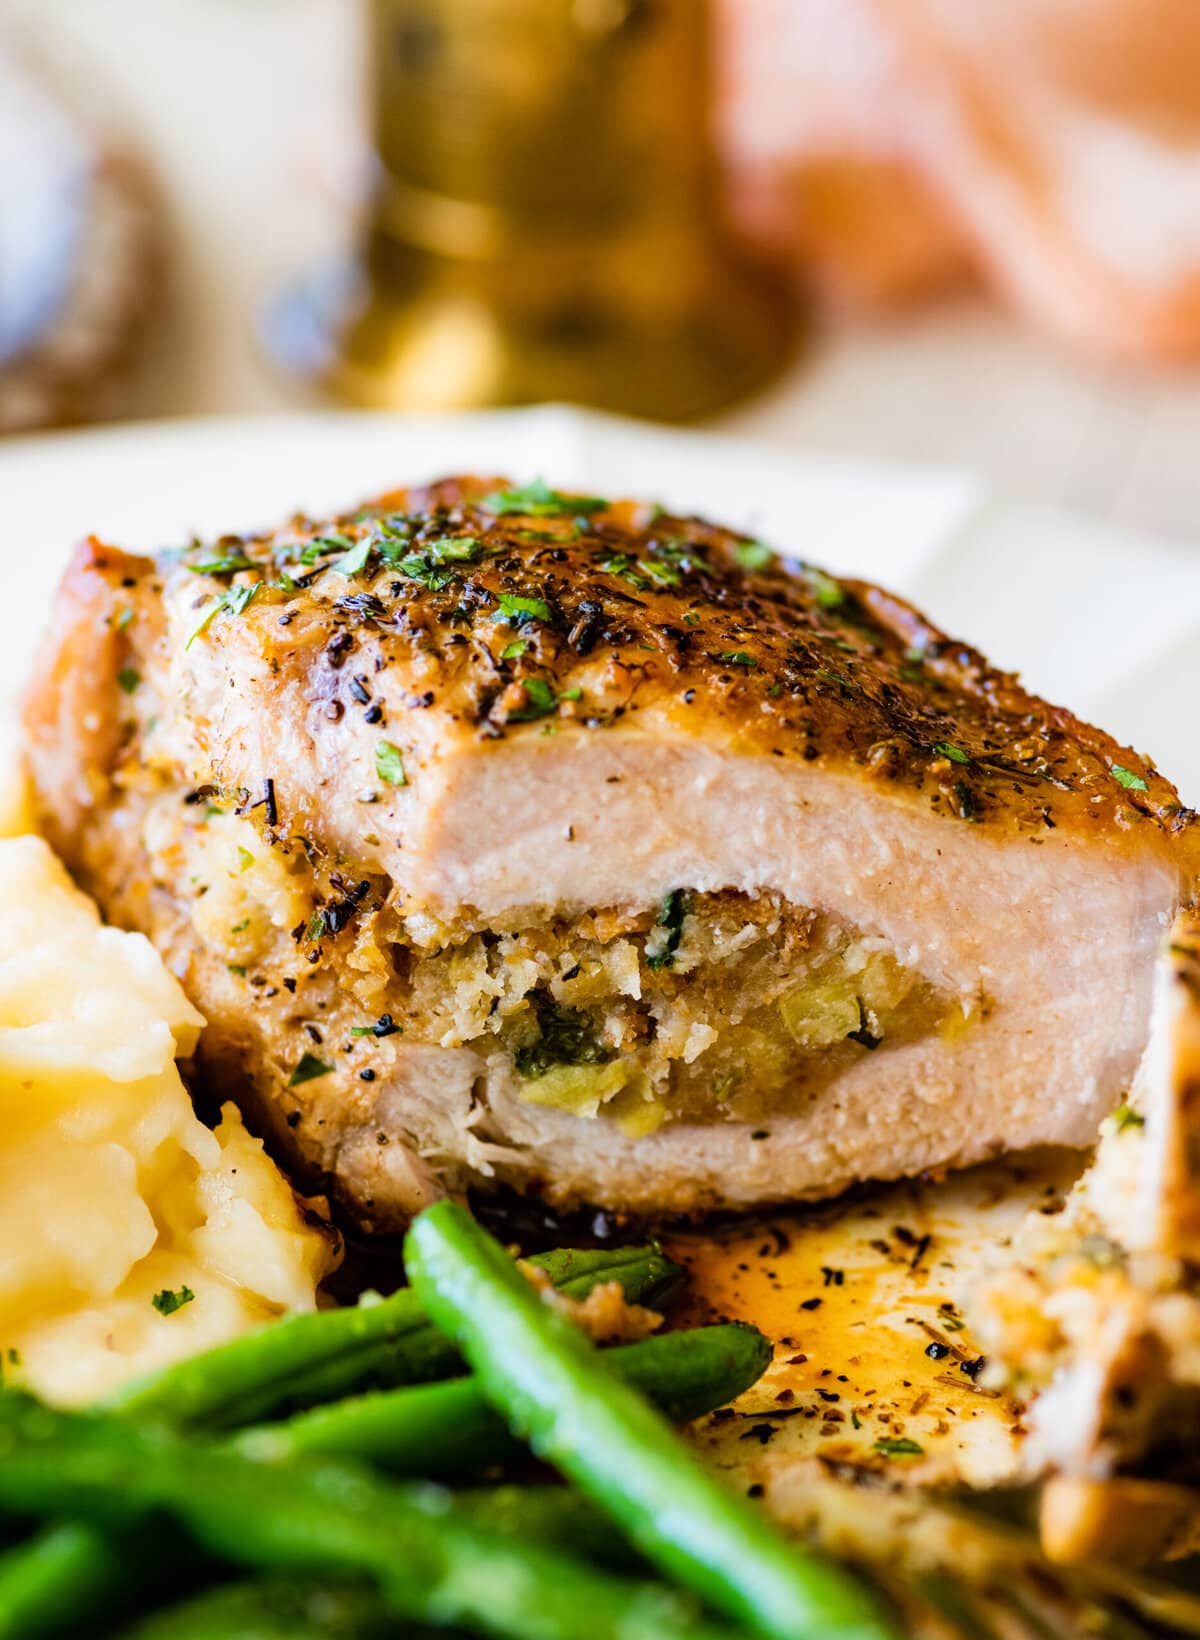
<point x="74" y="702"/>
<point x="370" y="698"/>
<point x="653" y="616"/>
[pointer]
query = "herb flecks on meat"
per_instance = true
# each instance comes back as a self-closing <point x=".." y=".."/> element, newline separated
<point x="528" y="606"/>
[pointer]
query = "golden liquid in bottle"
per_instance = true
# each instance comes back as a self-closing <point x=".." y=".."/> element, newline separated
<point x="547" y="224"/>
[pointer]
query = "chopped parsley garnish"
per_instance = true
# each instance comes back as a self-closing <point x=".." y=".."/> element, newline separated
<point x="429" y="566"/>
<point x="232" y="602"/>
<point x="753" y="555"/>
<point x="620" y="563"/>
<point x="129" y="679"/>
<point x="308" y="1069"/>
<point x="393" y="548"/>
<point x="678" y="550"/>
<point x="206" y="616"/>
<point x="520" y="610"/>
<point x="389" y="765"/>
<point x="236" y="968"/>
<point x="512" y="650"/>
<point x="124" y="616"/>
<point x="393" y="536"/>
<point x="565" y="1037"/>
<point x="912" y="666"/>
<point x="570" y="531"/>
<point x="538" y="500"/>
<point x="540" y="700"/>
<point x="170" y="1299"/>
<point x="1125" y="1117"/>
<point x="1126" y="777"/>
<point x="670" y="917"/>
<point x="355" y="561"/>
<point x="462" y="549"/>
<point x="237" y="598"/>
<point x="946" y="748"/>
<point x="322" y="545"/>
<point x="666" y="574"/>
<point x="245" y="858"/>
<point x="737" y="657"/>
<point x="420" y="566"/>
<point x="898" y="1446"/>
<point x="228" y="563"/>
<point x="825" y="589"/>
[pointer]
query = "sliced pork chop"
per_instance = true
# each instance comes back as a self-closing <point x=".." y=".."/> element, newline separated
<point x="1095" y="1314"/>
<point x="509" y="836"/>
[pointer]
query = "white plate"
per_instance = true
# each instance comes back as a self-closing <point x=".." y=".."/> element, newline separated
<point x="1104" y="622"/>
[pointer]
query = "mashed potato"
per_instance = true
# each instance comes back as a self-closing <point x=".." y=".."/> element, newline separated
<point x="130" y="1233"/>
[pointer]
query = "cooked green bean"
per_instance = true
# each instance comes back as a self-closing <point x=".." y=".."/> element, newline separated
<point x="549" y="1515"/>
<point x="429" y="1563"/>
<point x="554" y="1516"/>
<point x="70" y="1577"/>
<point x="304" y="1360"/>
<point x="65" y="1571"/>
<point x="449" y="1428"/>
<point x="276" y="1610"/>
<point x="299" y="1361"/>
<point x="557" y="1393"/>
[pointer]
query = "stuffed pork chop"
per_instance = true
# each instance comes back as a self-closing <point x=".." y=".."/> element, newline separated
<point x="503" y="835"/>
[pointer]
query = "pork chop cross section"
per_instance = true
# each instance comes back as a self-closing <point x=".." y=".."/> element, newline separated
<point x="487" y="722"/>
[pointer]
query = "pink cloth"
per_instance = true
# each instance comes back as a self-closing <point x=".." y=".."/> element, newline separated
<point x="1051" y="146"/>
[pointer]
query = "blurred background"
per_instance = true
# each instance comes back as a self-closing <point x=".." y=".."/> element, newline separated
<point x="916" y="229"/>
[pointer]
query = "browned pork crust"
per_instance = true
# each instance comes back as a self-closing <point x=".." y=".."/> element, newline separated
<point x="461" y="709"/>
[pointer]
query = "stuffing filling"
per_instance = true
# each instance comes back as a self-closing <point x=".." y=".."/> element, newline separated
<point x="713" y="1007"/>
<point x="708" y="1007"/>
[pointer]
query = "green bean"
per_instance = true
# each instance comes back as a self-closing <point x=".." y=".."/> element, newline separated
<point x="645" y="1274"/>
<point x="304" y="1360"/>
<point x="556" y="1392"/>
<point x="70" y="1576"/>
<point x="429" y="1562"/>
<point x="555" y="1517"/>
<point x="298" y="1361"/>
<point x="548" y="1515"/>
<point x="449" y="1428"/>
<point x="63" y="1572"/>
<point x="275" y="1610"/>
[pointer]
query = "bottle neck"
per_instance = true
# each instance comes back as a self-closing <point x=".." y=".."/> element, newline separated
<point x="510" y="126"/>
